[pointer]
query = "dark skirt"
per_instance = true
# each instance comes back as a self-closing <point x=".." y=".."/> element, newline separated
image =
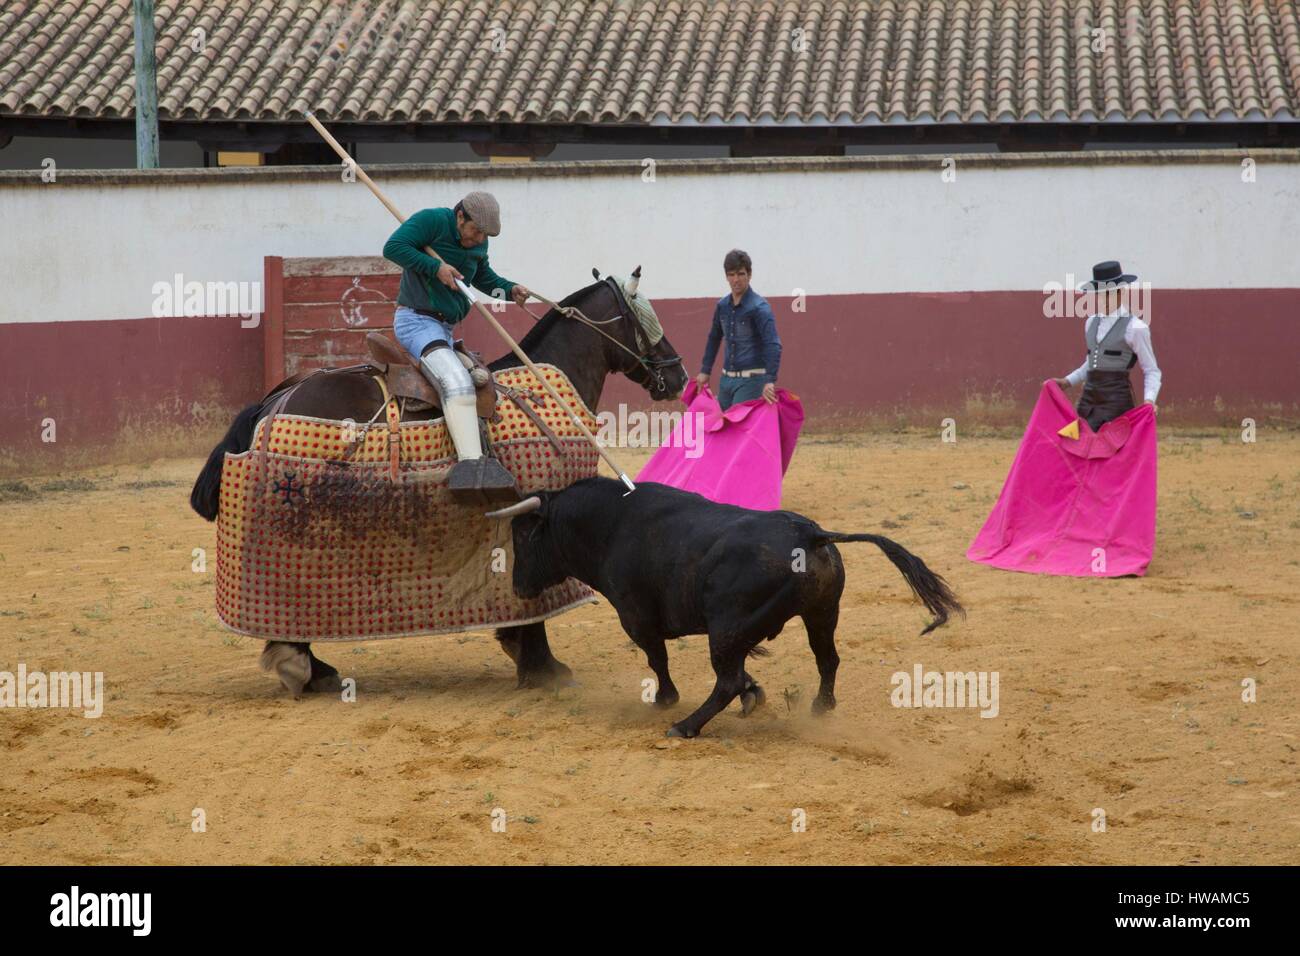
<point x="1106" y="396"/>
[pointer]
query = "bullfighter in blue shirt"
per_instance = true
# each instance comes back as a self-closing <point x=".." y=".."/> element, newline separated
<point x="753" y="347"/>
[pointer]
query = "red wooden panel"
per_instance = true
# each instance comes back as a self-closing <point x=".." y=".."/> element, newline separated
<point x="332" y="289"/>
<point x="370" y="315"/>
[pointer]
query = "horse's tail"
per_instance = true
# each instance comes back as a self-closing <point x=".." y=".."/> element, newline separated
<point x="930" y="588"/>
<point x="206" y="495"/>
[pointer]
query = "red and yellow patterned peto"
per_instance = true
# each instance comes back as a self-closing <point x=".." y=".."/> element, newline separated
<point x="311" y="547"/>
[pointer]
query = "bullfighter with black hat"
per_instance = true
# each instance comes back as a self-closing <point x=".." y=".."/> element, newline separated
<point x="1116" y="340"/>
<point x="1081" y="501"/>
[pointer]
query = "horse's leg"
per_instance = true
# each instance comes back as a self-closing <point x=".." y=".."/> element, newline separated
<point x="535" y="665"/>
<point x="299" y="669"/>
<point x="290" y="662"/>
<point x="324" y="678"/>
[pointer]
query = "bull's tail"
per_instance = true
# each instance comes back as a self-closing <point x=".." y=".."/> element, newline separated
<point x="206" y="495"/>
<point x="930" y="588"/>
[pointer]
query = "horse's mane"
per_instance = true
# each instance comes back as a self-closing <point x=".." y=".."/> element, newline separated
<point x="544" y="325"/>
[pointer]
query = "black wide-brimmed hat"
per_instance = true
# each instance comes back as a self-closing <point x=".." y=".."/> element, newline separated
<point x="1107" y="274"/>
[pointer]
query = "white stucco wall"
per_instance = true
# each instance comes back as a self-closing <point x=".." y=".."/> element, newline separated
<point x="87" y="248"/>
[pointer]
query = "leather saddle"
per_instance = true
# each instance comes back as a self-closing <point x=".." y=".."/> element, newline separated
<point x="404" y="379"/>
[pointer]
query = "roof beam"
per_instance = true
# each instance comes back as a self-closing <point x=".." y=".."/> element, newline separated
<point x="533" y="138"/>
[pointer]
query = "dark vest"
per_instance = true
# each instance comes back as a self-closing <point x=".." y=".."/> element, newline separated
<point x="1111" y="354"/>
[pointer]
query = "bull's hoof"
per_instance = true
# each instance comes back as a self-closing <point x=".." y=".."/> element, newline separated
<point x="751" y="698"/>
<point x="822" y="705"/>
<point x="666" y="698"/>
<point x="677" y="730"/>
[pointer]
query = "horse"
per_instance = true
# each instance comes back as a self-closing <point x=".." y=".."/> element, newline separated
<point x="593" y="334"/>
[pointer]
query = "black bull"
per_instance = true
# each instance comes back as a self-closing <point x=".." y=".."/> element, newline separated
<point x="674" y="563"/>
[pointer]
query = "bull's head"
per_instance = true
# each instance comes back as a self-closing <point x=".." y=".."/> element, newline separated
<point x="537" y="563"/>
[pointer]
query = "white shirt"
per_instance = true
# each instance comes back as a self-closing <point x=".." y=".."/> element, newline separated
<point x="1138" y="338"/>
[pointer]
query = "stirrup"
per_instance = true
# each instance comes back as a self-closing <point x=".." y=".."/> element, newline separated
<point x="482" y="481"/>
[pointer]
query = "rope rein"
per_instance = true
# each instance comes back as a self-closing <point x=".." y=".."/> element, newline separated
<point x="573" y="312"/>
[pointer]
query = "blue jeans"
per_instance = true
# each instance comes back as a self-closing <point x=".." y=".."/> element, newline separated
<point x="415" y="331"/>
<point x="732" y="390"/>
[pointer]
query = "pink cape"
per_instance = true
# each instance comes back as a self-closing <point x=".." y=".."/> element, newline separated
<point x="1065" y="498"/>
<point x="740" y="454"/>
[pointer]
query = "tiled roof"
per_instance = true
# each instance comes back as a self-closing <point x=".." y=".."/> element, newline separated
<point x="663" y="61"/>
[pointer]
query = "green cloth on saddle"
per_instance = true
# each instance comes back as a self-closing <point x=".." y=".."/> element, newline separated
<point x="420" y="287"/>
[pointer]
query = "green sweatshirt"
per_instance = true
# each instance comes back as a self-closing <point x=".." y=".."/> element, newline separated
<point x="420" y="287"/>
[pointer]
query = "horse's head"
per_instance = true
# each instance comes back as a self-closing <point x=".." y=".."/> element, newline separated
<point x="638" y="347"/>
<point x="605" y="327"/>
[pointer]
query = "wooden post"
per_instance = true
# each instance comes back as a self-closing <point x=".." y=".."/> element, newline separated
<point x="146" y="87"/>
<point x="272" y="322"/>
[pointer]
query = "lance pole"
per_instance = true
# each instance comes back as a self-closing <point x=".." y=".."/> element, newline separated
<point x="478" y="304"/>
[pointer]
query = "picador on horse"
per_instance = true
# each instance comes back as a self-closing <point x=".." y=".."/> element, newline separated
<point x="429" y="305"/>
<point x="382" y="534"/>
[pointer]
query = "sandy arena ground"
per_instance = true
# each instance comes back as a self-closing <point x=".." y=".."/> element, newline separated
<point x="1123" y="695"/>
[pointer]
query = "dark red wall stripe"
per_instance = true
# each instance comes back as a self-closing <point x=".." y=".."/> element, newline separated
<point x="166" y="386"/>
<point x="978" y="357"/>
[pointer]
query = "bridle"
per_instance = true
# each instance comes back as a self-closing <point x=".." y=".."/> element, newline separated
<point x="651" y="369"/>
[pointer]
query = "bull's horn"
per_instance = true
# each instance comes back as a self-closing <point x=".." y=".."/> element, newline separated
<point x="519" y="508"/>
<point x="634" y="282"/>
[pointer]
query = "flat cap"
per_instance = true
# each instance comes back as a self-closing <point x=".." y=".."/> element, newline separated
<point x="483" y="209"/>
